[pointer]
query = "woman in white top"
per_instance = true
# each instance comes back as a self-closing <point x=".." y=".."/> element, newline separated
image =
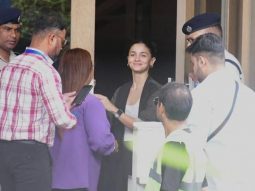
<point x="129" y="104"/>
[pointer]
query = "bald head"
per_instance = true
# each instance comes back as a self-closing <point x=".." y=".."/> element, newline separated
<point x="177" y="101"/>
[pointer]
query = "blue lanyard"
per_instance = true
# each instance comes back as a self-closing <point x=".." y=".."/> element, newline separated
<point x="32" y="51"/>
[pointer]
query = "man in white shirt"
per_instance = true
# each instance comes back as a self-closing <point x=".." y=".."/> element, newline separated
<point x="210" y="23"/>
<point x="9" y="33"/>
<point x="222" y="117"/>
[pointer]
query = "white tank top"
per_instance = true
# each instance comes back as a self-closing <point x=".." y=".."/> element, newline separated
<point x="131" y="110"/>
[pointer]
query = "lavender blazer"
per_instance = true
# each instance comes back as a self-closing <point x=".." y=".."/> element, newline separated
<point x="77" y="157"/>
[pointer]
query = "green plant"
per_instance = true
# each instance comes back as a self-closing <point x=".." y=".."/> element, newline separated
<point x="31" y="8"/>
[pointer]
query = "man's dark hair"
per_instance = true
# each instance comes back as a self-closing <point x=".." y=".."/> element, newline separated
<point x="209" y="43"/>
<point x="48" y="20"/>
<point x="177" y="100"/>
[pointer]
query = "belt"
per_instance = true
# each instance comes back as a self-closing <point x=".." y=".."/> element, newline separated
<point x="31" y="142"/>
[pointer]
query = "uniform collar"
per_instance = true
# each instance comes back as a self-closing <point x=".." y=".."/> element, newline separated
<point x="12" y="55"/>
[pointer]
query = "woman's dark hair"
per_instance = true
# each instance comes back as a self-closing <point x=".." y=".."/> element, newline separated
<point x="149" y="44"/>
<point x="75" y="68"/>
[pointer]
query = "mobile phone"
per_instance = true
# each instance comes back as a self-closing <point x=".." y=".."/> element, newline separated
<point x="79" y="98"/>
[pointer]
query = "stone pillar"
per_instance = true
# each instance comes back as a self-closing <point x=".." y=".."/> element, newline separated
<point x="83" y="25"/>
<point x="185" y="10"/>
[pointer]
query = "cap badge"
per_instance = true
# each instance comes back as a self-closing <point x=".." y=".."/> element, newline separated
<point x="18" y="19"/>
<point x="189" y="28"/>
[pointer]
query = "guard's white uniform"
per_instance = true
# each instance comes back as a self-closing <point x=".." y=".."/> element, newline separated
<point x="233" y="66"/>
<point x="231" y="152"/>
<point x="3" y="63"/>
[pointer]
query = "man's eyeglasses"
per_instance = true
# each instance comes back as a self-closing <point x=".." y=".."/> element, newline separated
<point x="156" y="101"/>
<point x="64" y="41"/>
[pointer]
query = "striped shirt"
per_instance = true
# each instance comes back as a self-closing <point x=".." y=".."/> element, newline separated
<point x="31" y="100"/>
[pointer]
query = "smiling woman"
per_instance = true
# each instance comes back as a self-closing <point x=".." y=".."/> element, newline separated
<point x="127" y="106"/>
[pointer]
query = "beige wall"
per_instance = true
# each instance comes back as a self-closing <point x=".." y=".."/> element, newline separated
<point x="180" y="41"/>
<point x="241" y="41"/>
<point x="248" y="42"/>
<point x="251" y="41"/>
<point x="239" y="26"/>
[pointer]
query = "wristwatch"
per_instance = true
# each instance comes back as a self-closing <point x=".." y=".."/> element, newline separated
<point x="118" y="113"/>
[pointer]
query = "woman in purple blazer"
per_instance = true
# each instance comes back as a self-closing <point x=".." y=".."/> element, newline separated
<point x="77" y="153"/>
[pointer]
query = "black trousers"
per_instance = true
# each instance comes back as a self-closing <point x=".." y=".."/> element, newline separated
<point x="115" y="169"/>
<point x="24" y="166"/>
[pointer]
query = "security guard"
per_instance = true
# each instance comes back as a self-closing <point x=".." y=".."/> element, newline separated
<point x="210" y="23"/>
<point x="9" y="33"/>
<point x="181" y="163"/>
